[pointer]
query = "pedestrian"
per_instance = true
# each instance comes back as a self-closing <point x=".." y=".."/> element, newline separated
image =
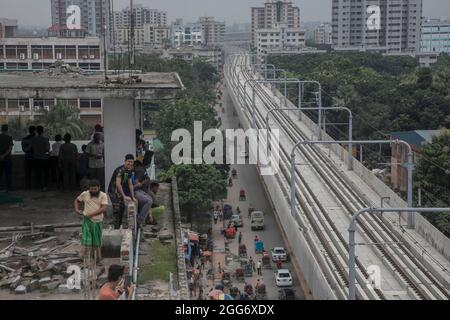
<point x="279" y="264"/>
<point x="152" y="191"/>
<point x="256" y="238"/>
<point x="114" y="288"/>
<point x="252" y="263"/>
<point x="216" y="216"/>
<point x="95" y="152"/>
<point x="83" y="168"/>
<point x="28" y="159"/>
<point x="95" y="204"/>
<point x="258" y="267"/>
<point x="140" y="184"/>
<point x="99" y="129"/>
<point x="120" y="189"/>
<point x="55" y="170"/>
<point x="219" y="268"/>
<point x="6" y="145"/>
<point x="202" y="265"/>
<point x="221" y="215"/>
<point x="40" y="147"/>
<point x="68" y="160"/>
<point x="240" y="238"/>
<point x="192" y="286"/>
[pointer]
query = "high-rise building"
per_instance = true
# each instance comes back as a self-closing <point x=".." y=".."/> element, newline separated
<point x="323" y="34"/>
<point x="8" y="28"/>
<point x="435" y="36"/>
<point x="94" y="15"/>
<point x="213" y="31"/>
<point x="274" y="13"/>
<point x="389" y="26"/>
<point x="141" y="15"/>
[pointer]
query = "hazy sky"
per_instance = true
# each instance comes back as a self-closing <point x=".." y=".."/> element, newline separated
<point x="37" y="12"/>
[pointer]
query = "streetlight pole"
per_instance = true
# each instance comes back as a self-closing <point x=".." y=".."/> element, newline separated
<point x="352" y="244"/>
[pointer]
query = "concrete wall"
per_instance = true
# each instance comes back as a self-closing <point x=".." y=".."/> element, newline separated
<point x="298" y="242"/>
<point x="119" y="127"/>
<point x="429" y="232"/>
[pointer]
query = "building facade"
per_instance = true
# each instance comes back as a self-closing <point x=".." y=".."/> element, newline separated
<point x="387" y="26"/>
<point x="213" y="31"/>
<point x="41" y="53"/>
<point x="142" y="15"/>
<point x="8" y="28"/>
<point x="94" y="14"/>
<point x="146" y="35"/>
<point x="274" y="13"/>
<point x="323" y="34"/>
<point x="435" y="36"/>
<point x="278" y="38"/>
<point x="186" y="34"/>
<point x="210" y="54"/>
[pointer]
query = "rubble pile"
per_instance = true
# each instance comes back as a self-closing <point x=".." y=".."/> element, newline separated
<point x="28" y="265"/>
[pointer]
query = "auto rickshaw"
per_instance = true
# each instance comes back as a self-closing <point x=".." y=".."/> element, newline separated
<point x="248" y="269"/>
<point x="240" y="274"/>
<point x="242" y="196"/>
<point x="242" y="251"/>
<point x="259" y="246"/>
<point x="266" y="261"/>
<point x="226" y="279"/>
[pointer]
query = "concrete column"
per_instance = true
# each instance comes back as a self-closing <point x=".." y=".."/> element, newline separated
<point x="119" y="130"/>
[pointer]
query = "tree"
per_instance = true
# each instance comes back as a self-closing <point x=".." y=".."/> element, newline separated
<point x="62" y="119"/>
<point x="198" y="185"/>
<point x="432" y="174"/>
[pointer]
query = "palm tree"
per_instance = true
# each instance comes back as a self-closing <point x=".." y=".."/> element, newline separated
<point x="17" y="129"/>
<point x="62" y="119"/>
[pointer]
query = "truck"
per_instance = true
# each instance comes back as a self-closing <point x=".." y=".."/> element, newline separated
<point x="257" y="220"/>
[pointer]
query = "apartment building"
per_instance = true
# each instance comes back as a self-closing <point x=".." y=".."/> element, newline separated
<point x="435" y="36"/>
<point x="280" y="37"/>
<point x="323" y="34"/>
<point x="148" y="34"/>
<point x="8" y="28"/>
<point x="209" y="54"/>
<point x="186" y="34"/>
<point x="141" y="15"/>
<point x="94" y="14"/>
<point x="41" y="53"/>
<point x="274" y="13"/>
<point x="213" y="31"/>
<point x="388" y="26"/>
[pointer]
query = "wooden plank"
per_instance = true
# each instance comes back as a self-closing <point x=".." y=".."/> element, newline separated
<point x="26" y="228"/>
<point x="7" y="268"/>
<point x="45" y="240"/>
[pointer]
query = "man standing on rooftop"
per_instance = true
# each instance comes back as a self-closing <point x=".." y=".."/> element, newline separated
<point x="6" y="145"/>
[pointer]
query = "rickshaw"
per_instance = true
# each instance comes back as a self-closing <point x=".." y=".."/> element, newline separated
<point x="242" y="195"/>
<point x="240" y="274"/>
<point x="230" y="233"/>
<point x="266" y="261"/>
<point x="235" y="293"/>
<point x="248" y="289"/>
<point x="234" y="173"/>
<point x="242" y="251"/>
<point x="226" y="278"/>
<point x="260" y="292"/>
<point x="259" y="246"/>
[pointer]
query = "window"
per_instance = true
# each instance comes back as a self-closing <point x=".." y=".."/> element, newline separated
<point x="90" y="103"/>
<point x="18" y="104"/>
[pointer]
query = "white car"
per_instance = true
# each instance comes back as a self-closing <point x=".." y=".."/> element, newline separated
<point x="283" y="278"/>
<point x="278" y="253"/>
<point x="237" y="220"/>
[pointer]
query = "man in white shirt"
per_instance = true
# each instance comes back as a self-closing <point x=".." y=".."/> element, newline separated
<point x="55" y="170"/>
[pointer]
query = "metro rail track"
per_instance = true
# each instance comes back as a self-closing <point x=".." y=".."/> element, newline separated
<point x="397" y="259"/>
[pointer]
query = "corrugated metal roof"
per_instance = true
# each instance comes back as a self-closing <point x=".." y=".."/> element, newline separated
<point x="419" y="138"/>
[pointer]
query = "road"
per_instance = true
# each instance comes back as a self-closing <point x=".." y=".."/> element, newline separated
<point x="248" y="178"/>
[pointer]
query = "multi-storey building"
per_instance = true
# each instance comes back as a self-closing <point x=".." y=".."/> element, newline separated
<point x="146" y="35"/>
<point x="274" y="13"/>
<point x="186" y="34"/>
<point x="435" y="36"/>
<point x="389" y="26"/>
<point x="278" y="38"/>
<point x="141" y="15"/>
<point x="210" y="54"/>
<point x="323" y="34"/>
<point x="213" y="31"/>
<point x="41" y="53"/>
<point x="8" y="28"/>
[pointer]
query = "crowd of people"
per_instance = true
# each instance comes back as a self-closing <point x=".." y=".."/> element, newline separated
<point x="59" y="164"/>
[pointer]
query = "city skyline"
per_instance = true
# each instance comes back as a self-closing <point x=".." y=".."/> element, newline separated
<point x="232" y="11"/>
